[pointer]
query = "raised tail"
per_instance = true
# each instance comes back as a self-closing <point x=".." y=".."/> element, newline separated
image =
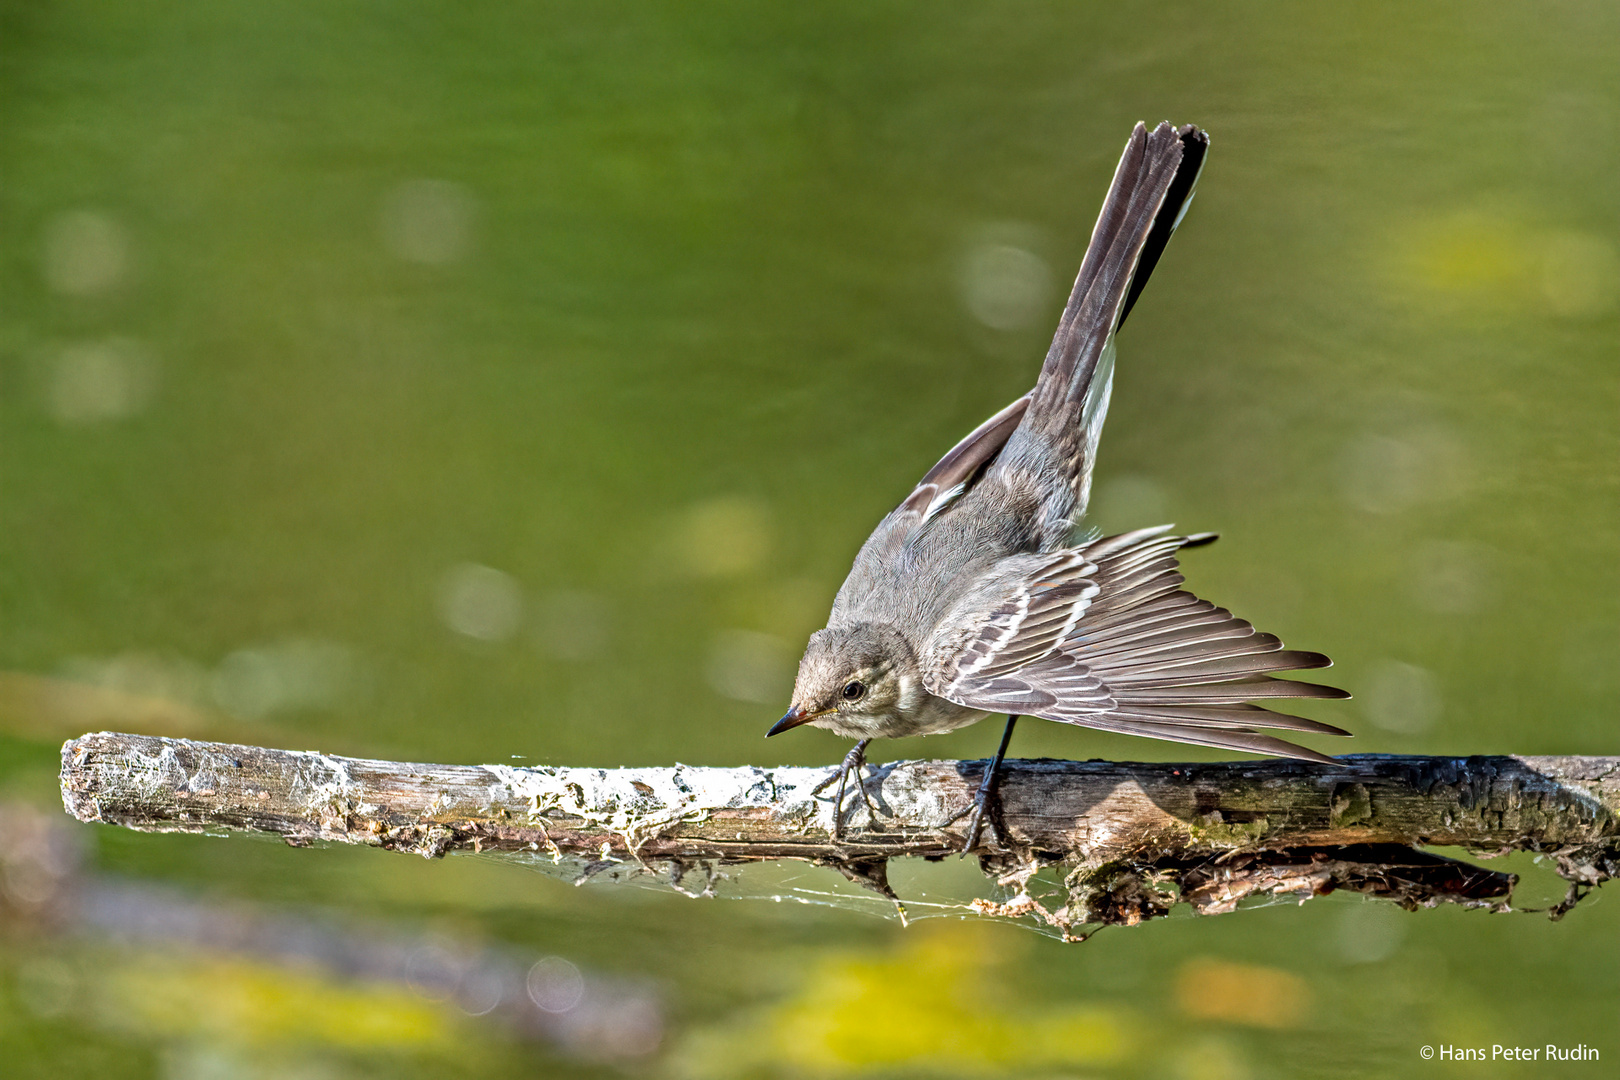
<point x="1055" y="445"/>
<point x="1132" y="230"/>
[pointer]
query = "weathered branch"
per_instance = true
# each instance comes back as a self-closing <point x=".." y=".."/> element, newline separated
<point x="1133" y="839"/>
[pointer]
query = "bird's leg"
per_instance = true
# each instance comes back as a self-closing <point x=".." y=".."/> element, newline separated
<point x="987" y="789"/>
<point x="853" y="762"/>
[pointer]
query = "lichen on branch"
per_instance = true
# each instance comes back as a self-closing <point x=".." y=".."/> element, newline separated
<point x="1126" y="840"/>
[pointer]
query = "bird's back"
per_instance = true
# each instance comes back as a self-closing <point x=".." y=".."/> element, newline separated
<point x="909" y="575"/>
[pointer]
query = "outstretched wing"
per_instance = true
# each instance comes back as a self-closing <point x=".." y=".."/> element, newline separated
<point x="1043" y="607"/>
<point x="1141" y="656"/>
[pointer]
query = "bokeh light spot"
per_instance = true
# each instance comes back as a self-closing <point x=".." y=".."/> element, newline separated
<point x="1400" y="697"/>
<point x="1481" y="263"/>
<point x="1370" y="931"/>
<point x="752" y="667"/>
<point x="94" y="381"/>
<point x="722" y="537"/>
<point x="86" y="253"/>
<point x="1580" y="275"/>
<point x="1211" y="989"/>
<point x="555" y="985"/>
<point x="1386" y="473"/>
<point x="287" y="676"/>
<point x="480" y="602"/>
<point x="1004" y="285"/>
<point x="428" y="221"/>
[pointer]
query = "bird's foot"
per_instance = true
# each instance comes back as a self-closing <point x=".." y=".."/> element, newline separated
<point x="976" y="823"/>
<point x="978" y="808"/>
<point x="988" y="788"/>
<point x="853" y="763"/>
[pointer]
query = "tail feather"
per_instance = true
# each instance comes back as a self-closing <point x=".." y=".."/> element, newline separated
<point x="1049" y="457"/>
<point x="1194" y="147"/>
<point x="1142" y="181"/>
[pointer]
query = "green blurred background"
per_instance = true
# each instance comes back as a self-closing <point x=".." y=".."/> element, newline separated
<point x="469" y="383"/>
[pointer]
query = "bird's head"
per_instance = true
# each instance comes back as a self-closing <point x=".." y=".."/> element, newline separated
<point x="852" y="679"/>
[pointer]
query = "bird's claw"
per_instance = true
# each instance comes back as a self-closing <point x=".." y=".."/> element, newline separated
<point x="976" y="825"/>
<point x="852" y="764"/>
<point x="978" y="808"/>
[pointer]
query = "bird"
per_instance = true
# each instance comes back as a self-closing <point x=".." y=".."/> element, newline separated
<point x="981" y="594"/>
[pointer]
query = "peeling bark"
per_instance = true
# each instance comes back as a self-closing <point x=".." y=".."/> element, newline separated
<point x="1132" y="839"/>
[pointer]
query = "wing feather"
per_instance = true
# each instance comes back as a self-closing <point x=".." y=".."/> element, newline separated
<point x="1103" y="636"/>
<point x="954" y="472"/>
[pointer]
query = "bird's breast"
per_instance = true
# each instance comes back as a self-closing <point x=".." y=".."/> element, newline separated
<point x="927" y="715"/>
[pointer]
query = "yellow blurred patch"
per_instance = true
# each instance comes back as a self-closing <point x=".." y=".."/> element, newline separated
<point x="722" y="537"/>
<point x="1210" y="989"/>
<point x="935" y="1006"/>
<point x="34" y="705"/>
<point x="1469" y="253"/>
<point x="242" y="1002"/>
<point x="1208" y="1058"/>
<point x="44" y="707"/>
<point x="1481" y="263"/>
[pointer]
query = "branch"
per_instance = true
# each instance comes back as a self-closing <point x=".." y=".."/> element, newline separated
<point x="1131" y="839"/>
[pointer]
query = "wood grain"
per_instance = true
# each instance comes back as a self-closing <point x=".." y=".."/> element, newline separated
<point x="1132" y="839"/>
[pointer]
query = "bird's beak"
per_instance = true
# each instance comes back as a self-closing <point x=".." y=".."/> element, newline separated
<point x="795" y="716"/>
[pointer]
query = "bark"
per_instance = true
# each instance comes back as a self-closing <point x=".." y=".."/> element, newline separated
<point x="1128" y="840"/>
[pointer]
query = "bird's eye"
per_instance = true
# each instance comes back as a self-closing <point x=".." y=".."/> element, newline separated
<point x="854" y="691"/>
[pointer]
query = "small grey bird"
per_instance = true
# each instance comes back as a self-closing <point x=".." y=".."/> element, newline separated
<point x="974" y="595"/>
